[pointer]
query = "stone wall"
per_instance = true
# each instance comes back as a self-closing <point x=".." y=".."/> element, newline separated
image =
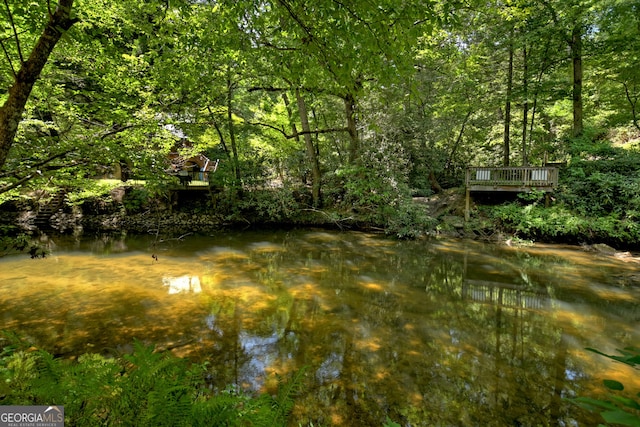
<point x="83" y="218"/>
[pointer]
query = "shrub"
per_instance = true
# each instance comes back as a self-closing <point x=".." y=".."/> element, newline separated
<point x="606" y="181"/>
<point x="558" y="222"/>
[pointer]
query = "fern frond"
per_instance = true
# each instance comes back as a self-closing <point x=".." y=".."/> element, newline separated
<point x="10" y="342"/>
<point x="288" y="390"/>
<point x="169" y="407"/>
<point x="225" y="409"/>
<point x="145" y="388"/>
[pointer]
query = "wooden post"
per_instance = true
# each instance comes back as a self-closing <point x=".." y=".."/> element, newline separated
<point x="467" y="195"/>
<point x="466" y="204"/>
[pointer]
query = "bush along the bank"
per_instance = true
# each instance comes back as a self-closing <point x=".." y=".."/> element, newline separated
<point x="145" y="388"/>
<point x="598" y="200"/>
<point x="558" y="223"/>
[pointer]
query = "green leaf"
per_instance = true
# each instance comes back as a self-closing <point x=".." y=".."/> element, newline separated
<point x="613" y="385"/>
<point x="621" y="417"/>
<point x="630" y="355"/>
<point x="593" y="404"/>
<point x="627" y="402"/>
<point x="597" y="351"/>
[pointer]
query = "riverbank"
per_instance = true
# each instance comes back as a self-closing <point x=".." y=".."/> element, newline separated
<point x="156" y="217"/>
<point x="132" y="210"/>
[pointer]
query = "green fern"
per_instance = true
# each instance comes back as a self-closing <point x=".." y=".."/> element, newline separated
<point x="145" y="388"/>
<point x="225" y="409"/>
<point x="288" y="390"/>
<point x="18" y="371"/>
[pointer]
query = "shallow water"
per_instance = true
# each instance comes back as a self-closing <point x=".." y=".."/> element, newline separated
<point x="438" y="332"/>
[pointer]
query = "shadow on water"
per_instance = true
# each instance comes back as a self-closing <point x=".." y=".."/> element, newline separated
<point x="426" y="333"/>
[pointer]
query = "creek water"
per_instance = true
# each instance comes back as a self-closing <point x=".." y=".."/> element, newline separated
<point x="437" y="332"/>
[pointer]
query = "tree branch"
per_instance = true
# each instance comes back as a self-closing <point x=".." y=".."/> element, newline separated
<point x="6" y="54"/>
<point x="632" y="102"/>
<point x="310" y="37"/>
<point x="279" y="48"/>
<point x="277" y="129"/>
<point x="364" y="22"/>
<point x="28" y="177"/>
<point x="18" y="183"/>
<point x="311" y="132"/>
<point x="116" y="129"/>
<point x="43" y="162"/>
<point x="36" y="171"/>
<point x="15" y="31"/>
<point x="284" y="89"/>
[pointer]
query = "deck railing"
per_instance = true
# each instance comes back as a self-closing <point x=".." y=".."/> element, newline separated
<point x="504" y="294"/>
<point x="193" y="178"/>
<point x="512" y="178"/>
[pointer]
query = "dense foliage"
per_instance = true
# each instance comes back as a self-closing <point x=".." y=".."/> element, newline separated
<point x="144" y="388"/>
<point x="349" y="107"/>
<point x="598" y="201"/>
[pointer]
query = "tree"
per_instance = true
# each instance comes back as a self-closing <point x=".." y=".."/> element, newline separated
<point x="27" y="70"/>
<point x="575" y="44"/>
<point x="615" y="62"/>
<point x="90" y="108"/>
<point x="572" y="21"/>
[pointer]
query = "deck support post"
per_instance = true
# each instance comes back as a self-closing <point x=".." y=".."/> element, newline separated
<point x="467" y="203"/>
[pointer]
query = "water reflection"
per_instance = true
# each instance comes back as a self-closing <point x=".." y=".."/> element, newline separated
<point x="427" y="333"/>
<point x="505" y="294"/>
<point x="184" y="283"/>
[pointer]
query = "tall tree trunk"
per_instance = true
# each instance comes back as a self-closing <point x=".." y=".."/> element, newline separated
<point x="525" y="106"/>
<point x="220" y="134"/>
<point x="633" y="101"/>
<point x="232" y="133"/>
<point x="350" y="111"/>
<point x="545" y="66"/>
<point x="576" y="56"/>
<point x="507" y="110"/>
<point x="294" y="130"/>
<point x="311" y="151"/>
<point x="29" y="72"/>
<point x="457" y="142"/>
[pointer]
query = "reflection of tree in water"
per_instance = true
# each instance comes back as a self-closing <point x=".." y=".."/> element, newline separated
<point x="428" y="333"/>
<point x="229" y="347"/>
<point x="391" y="331"/>
<point x="487" y="365"/>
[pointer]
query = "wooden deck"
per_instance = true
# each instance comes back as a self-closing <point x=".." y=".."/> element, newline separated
<point x="515" y="179"/>
<point x="523" y="179"/>
<point x="192" y="180"/>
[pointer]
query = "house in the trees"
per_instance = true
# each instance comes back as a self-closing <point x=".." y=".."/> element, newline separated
<point x="192" y="170"/>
